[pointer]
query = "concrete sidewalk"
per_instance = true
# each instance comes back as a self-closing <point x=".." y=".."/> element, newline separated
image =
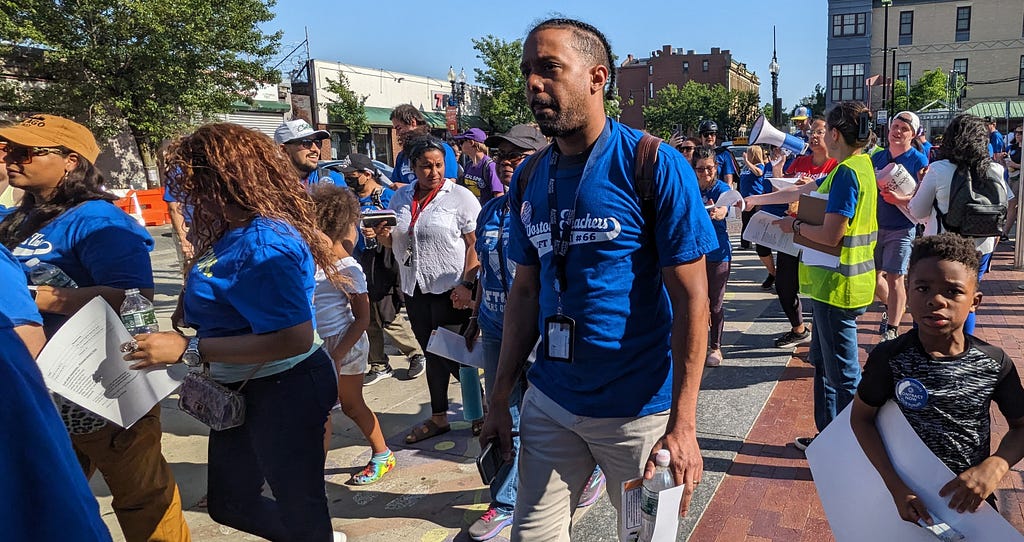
<point x="434" y="494"/>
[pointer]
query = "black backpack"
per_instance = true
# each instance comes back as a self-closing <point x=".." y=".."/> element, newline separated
<point x="977" y="204"/>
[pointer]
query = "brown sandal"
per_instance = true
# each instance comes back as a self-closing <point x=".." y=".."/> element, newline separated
<point x="478" y="426"/>
<point x="426" y="430"/>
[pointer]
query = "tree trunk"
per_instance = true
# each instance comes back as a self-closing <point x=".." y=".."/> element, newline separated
<point x="149" y="164"/>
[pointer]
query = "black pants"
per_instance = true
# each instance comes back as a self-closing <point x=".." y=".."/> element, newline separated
<point x="762" y="251"/>
<point x="787" y="287"/>
<point x="427" y="312"/>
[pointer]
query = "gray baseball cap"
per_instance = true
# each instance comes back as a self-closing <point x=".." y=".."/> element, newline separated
<point x="524" y="136"/>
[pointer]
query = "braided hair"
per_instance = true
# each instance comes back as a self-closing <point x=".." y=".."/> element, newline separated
<point x="588" y="41"/>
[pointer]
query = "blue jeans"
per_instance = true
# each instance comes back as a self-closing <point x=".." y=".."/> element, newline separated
<point x="834" y="356"/>
<point x="503" y="488"/>
<point x="281" y="442"/>
<point x="986" y="260"/>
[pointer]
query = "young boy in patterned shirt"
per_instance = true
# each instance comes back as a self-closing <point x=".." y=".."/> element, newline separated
<point x="944" y="382"/>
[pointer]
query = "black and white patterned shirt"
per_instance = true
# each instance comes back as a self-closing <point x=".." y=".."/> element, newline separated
<point x="946" y="400"/>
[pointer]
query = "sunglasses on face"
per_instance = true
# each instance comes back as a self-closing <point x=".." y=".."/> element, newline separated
<point x="687" y="148"/>
<point x="306" y="143"/>
<point x="513" y="156"/>
<point x="18" y="154"/>
<point x="704" y="169"/>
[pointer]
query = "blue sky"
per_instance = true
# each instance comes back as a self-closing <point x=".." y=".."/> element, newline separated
<point x="424" y="38"/>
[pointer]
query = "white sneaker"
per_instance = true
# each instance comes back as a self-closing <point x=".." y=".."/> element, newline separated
<point x="714" y="359"/>
<point x="340" y="537"/>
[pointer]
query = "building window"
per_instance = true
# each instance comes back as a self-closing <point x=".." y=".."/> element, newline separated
<point x="963" y="23"/>
<point x="903" y="72"/>
<point x="650" y="70"/>
<point x="686" y="66"/>
<point x="849" y="24"/>
<point x="906" y="27"/>
<point x="847" y="82"/>
<point x="960" y="66"/>
<point x="1020" y="78"/>
<point x="704" y="65"/>
<point x="650" y="90"/>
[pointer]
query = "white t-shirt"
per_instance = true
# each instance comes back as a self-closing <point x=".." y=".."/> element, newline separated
<point x="438" y="249"/>
<point x="935" y="188"/>
<point x="333" y="311"/>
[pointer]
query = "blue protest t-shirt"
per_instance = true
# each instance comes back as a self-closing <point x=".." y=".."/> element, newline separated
<point x="926" y="150"/>
<point x="996" y="142"/>
<point x="256" y="279"/>
<point x="332" y="177"/>
<point x="724" y="163"/>
<point x="376" y="201"/>
<point x="43" y="493"/>
<point x="496" y="270"/>
<point x="16" y="303"/>
<point x="622" y="360"/>
<point x="96" y="244"/>
<point x="724" y="251"/>
<point x="403" y="172"/>
<point x="889" y="216"/>
<point x="842" y="194"/>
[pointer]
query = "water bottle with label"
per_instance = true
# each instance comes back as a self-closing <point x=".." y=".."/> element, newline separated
<point x="47" y="274"/>
<point x="661" y="480"/>
<point x="137" y="313"/>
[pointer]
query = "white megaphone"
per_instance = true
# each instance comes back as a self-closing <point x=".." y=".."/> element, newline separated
<point x="763" y="133"/>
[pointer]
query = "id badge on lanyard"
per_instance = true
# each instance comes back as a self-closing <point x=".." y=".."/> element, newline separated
<point x="559" y="329"/>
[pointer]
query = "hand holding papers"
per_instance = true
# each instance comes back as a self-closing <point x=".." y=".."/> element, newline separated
<point x="83" y="363"/>
<point x="451" y="345"/>
<point x="763" y="231"/>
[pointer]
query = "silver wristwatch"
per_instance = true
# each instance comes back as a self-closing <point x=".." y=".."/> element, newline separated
<point x="191" y="356"/>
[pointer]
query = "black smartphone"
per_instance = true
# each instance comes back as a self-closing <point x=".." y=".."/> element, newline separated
<point x="489" y="462"/>
<point x="372" y="218"/>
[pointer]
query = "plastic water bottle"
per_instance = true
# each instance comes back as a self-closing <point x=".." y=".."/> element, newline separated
<point x="661" y="480"/>
<point x="137" y="313"/>
<point x="472" y="403"/>
<point x="47" y="274"/>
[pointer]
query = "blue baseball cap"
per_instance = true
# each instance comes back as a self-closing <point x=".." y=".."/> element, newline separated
<point x="801" y="113"/>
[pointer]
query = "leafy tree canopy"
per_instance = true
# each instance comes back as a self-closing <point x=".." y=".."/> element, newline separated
<point x="348" y="109"/>
<point x="155" y="66"/>
<point x="504" y="104"/>
<point x="684" y="107"/>
<point x="815" y="101"/>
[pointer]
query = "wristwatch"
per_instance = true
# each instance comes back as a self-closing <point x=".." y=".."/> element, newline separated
<point x="191" y="355"/>
<point x="467" y="285"/>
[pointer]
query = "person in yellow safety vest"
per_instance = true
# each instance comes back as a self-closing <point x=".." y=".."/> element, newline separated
<point x="839" y="294"/>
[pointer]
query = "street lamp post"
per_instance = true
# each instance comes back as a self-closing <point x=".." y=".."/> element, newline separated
<point x="885" y="51"/>
<point x="458" y="96"/>
<point x="773" y="68"/>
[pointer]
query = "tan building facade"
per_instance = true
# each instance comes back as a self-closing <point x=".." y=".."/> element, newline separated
<point x="639" y="79"/>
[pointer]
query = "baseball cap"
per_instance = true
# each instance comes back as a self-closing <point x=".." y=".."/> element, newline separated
<point x="298" y="129"/>
<point x="801" y="113"/>
<point x="53" y="131"/>
<point x="523" y="136"/>
<point x="358" y="162"/>
<point x="910" y="118"/>
<point x="475" y="134"/>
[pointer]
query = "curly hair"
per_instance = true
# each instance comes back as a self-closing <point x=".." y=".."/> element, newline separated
<point x="84" y="183"/>
<point x="965" y="142"/>
<point x="589" y="42"/>
<point x="949" y="247"/>
<point x="337" y="209"/>
<point x="224" y="164"/>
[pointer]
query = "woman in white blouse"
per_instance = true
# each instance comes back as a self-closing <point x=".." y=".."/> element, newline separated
<point x="965" y="142"/>
<point x="433" y="242"/>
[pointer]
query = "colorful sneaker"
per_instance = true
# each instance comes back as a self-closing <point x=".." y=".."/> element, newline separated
<point x="490" y="524"/>
<point x="374" y="471"/>
<point x="593" y="489"/>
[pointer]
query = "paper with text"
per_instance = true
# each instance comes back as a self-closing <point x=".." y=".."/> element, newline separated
<point x="666" y="520"/>
<point x="761" y="229"/>
<point x="449" y="344"/>
<point x="83" y="363"/>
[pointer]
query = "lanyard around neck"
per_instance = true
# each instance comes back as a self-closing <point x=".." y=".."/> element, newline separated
<point x="417" y="207"/>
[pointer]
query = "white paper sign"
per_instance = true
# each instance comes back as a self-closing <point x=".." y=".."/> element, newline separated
<point x="83" y="363"/>
<point x="761" y="229"/>
<point x="784" y="183"/>
<point x="856" y="501"/>
<point x="666" y="520"/>
<point x="451" y="345"/>
<point x="727" y="199"/>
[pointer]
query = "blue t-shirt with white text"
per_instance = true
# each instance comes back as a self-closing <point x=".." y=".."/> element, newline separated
<point x="622" y="363"/>
<point x="496" y="270"/>
<point x="889" y="216"/>
<point x="724" y="251"/>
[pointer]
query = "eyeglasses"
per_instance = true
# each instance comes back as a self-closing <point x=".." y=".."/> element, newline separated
<point x="687" y="148"/>
<point x="818" y="132"/>
<point x="513" y="157"/>
<point x="705" y="169"/>
<point x="306" y="143"/>
<point x="18" y="154"/>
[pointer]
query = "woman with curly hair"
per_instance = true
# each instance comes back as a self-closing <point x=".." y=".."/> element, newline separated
<point x="964" y="143"/>
<point x="67" y="220"/>
<point x="249" y="296"/>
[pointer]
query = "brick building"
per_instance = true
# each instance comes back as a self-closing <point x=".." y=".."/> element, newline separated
<point x="639" y="79"/>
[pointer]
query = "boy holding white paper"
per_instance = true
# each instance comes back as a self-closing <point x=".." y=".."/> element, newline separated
<point x="943" y="381"/>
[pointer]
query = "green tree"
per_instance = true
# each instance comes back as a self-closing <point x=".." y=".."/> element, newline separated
<point x="815" y="101"/>
<point x="504" y="103"/>
<point x="348" y="109"/>
<point x="155" y="67"/>
<point x="900" y="100"/>
<point x="932" y="85"/>
<point x="684" y="107"/>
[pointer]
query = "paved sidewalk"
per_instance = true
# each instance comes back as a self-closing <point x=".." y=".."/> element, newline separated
<point x="768" y="493"/>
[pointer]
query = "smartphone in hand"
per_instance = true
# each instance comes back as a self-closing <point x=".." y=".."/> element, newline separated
<point x="489" y="462"/>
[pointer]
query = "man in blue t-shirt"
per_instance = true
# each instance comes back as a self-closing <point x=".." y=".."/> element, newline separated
<point x="379" y="265"/>
<point x="408" y="122"/>
<point x="995" y="140"/>
<point x="615" y="290"/>
<point x="302" y="144"/>
<point x="896" y="231"/>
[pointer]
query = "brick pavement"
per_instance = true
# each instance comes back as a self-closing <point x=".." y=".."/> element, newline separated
<point x="768" y="493"/>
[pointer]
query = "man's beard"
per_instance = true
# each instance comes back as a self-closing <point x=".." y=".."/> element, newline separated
<point x="565" y="122"/>
<point x="303" y="167"/>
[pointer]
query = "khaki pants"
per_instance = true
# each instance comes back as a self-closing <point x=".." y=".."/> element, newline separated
<point x="557" y="455"/>
<point x="399" y="331"/>
<point x="145" y="497"/>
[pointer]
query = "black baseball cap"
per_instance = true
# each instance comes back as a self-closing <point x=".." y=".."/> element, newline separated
<point x="359" y="162"/>
<point x="524" y="136"/>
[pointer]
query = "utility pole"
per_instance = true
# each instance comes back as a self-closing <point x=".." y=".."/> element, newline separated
<point x="885" y="51"/>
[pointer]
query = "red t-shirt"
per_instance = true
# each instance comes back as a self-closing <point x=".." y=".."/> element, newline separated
<point x="804" y="165"/>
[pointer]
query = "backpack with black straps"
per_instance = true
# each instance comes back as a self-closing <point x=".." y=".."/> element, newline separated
<point x="643" y="177"/>
<point x="977" y="204"/>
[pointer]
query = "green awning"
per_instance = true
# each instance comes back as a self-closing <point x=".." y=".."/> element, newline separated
<point x="378" y="116"/>
<point x="473" y="121"/>
<point x="997" y="109"/>
<point x="261" y="106"/>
